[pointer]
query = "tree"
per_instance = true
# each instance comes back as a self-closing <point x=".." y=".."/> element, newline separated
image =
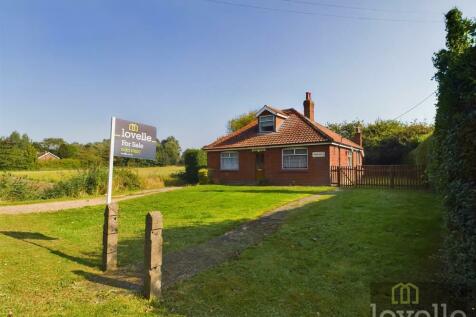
<point x="51" y="145"/>
<point x="168" y="153"/>
<point x="66" y="150"/>
<point x="386" y="141"/>
<point x="452" y="169"/>
<point x="17" y="152"/>
<point x="240" y="121"/>
<point x="194" y="160"/>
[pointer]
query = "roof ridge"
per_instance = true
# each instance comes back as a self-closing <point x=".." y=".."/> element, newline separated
<point x="308" y="130"/>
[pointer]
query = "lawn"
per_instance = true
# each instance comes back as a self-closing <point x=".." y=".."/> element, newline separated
<point x="322" y="260"/>
<point x="44" y="257"/>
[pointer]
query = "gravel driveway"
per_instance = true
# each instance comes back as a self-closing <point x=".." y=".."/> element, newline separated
<point x="68" y="204"/>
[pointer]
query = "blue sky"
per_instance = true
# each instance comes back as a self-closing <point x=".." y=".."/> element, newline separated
<point x="187" y="66"/>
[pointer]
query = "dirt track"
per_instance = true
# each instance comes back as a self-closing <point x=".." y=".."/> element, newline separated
<point x="68" y="204"/>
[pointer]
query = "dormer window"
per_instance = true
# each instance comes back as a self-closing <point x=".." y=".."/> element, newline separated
<point x="266" y="123"/>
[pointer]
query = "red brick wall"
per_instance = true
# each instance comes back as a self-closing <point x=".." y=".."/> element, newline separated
<point x="338" y="157"/>
<point x="317" y="172"/>
<point x="244" y="175"/>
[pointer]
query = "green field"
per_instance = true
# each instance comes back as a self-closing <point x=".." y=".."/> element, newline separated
<point x="148" y="178"/>
<point x="153" y="173"/>
<point x="322" y="260"/>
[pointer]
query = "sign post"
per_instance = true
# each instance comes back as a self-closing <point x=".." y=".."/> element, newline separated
<point x="111" y="161"/>
<point x="132" y="140"/>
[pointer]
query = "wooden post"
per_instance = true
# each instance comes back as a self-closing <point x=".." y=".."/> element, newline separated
<point x="338" y="176"/>
<point x="109" y="238"/>
<point x="392" y="177"/>
<point x="153" y="255"/>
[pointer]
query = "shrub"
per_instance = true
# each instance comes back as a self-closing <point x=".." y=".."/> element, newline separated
<point x="95" y="181"/>
<point x="194" y="160"/>
<point x="68" y="163"/>
<point x="91" y="182"/>
<point x="19" y="188"/>
<point x="453" y="170"/>
<point x="203" y="178"/>
<point x="126" y="179"/>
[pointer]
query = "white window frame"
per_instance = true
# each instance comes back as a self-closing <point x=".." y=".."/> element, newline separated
<point x="272" y="120"/>
<point x="226" y="155"/>
<point x="294" y="149"/>
<point x="350" y="158"/>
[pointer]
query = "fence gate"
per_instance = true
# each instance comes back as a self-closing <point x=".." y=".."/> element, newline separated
<point x="393" y="176"/>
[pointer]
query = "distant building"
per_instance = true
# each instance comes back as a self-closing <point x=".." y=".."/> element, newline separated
<point x="48" y="156"/>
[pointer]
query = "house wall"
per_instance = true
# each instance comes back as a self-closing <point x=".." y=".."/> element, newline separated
<point x="317" y="172"/>
<point x="244" y="175"/>
<point x="338" y="156"/>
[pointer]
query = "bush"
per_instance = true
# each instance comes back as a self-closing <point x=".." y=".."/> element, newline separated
<point x="59" y="164"/>
<point x="19" y="188"/>
<point x="93" y="181"/>
<point x="126" y="179"/>
<point x="194" y="160"/>
<point x="421" y="155"/>
<point x="203" y="178"/>
<point x="453" y="169"/>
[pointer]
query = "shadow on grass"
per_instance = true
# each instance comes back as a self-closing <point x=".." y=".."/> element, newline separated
<point x="22" y="235"/>
<point x="25" y="236"/>
<point x="116" y="281"/>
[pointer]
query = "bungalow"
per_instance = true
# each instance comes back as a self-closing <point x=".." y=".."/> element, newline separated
<point x="282" y="147"/>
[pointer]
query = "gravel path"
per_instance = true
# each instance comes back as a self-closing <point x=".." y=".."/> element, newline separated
<point x="69" y="204"/>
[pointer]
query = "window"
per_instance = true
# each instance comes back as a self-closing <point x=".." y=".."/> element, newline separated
<point x="229" y="161"/>
<point x="266" y="123"/>
<point x="294" y="158"/>
<point x="349" y="158"/>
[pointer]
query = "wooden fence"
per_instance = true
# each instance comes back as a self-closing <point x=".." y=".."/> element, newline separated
<point x="393" y="176"/>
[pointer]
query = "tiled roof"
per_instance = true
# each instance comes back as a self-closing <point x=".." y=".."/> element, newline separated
<point x="296" y="129"/>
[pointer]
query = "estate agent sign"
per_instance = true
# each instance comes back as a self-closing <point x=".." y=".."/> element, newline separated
<point x="130" y="139"/>
<point x="135" y="140"/>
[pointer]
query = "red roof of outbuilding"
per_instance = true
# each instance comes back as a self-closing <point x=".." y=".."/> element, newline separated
<point x="296" y="129"/>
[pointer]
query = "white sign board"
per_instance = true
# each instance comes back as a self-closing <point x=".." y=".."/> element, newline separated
<point x="318" y="154"/>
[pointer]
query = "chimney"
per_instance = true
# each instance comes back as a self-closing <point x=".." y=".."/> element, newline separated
<point x="308" y="107"/>
<point x="357" y="138"/>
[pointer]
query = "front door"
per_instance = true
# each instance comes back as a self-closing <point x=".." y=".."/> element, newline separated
<point x="259" y="162"/>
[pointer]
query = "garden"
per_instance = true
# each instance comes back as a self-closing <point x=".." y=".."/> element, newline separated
<point x="326" y="251"/>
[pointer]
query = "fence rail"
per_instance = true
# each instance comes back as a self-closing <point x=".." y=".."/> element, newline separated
<point x="394" y="176"/>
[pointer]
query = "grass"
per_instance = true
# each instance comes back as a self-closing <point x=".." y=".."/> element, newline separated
<point x="44" y="257"/>
<point x="322" y="260"/>
<point x="150" y="178"/>
<point x="54" y="176"/>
